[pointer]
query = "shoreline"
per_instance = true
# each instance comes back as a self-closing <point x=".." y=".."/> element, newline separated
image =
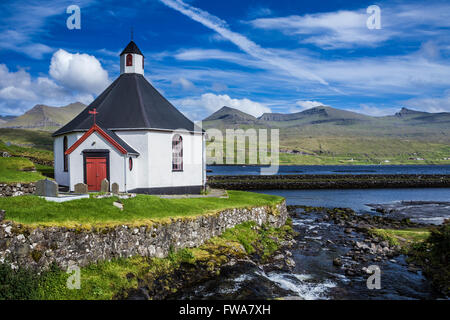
<point x="327" y="181"/>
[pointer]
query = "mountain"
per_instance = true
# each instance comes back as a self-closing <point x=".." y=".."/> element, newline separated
<point x="45" y="117"/>
<point x="328" y="134"/>
<point x="231" y="115"/>
<point x="4" y="119"/>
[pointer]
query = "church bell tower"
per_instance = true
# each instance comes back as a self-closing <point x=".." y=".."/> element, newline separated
<point x="131" y="59"/>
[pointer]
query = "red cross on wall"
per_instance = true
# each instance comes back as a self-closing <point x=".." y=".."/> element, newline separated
<point x="94" y="112"/>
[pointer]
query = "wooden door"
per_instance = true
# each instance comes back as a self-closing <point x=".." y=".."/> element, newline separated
<point x="95" y="173"/>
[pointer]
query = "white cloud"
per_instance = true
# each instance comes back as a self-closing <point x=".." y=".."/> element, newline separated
<point x="211" y="103"/>
<point x="304" y="105"/>
<point x="431" y="104"/>
<point x="347" y="29"/>
<point x="375" y="111"/>
<point x="19" y="92"/>
<point x="81" y="72"/>
<point x="287" y="65"/>
<point x="184" y="83"/>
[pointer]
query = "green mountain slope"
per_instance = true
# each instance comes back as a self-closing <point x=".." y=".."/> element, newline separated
<point x="43" y="117"/>
<point x="324" y="135"/>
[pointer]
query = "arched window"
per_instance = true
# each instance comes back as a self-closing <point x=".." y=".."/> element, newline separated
<point x="142" y="62"/>
<point x="177" y="153"/>
<point x="66" y="162"/>
<point x="130" y="163"/>
<point x="129" y="60"/>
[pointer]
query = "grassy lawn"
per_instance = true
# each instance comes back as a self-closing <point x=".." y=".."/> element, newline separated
<point x="142" y="209"/>
<point x="403" y="237"/>
<point x="11" y="171"/>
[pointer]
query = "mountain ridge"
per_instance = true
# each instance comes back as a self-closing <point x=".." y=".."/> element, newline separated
<point x="45" y="117"/>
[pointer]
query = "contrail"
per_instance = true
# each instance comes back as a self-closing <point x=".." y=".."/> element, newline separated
<point x="241" y="41"/>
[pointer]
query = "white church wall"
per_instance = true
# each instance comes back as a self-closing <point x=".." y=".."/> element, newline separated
<point x="138" y="140"/>
<point x="62" y="177"/>
<point x="160" y="154"/>
<point x="137" y="66"/>
<point x="97" y="142"/>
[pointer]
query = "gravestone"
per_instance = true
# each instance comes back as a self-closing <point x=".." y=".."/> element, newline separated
<point x="46" y="188"/>
<point x="115" y="188"/>
<point x="81" y="188"/>
<point x="104" y="186"/>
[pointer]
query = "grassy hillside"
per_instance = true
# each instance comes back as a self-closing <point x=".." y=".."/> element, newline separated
<point x="47" y="118"/>
<point x="14" y="170"/>
<point x="330" y="136"/>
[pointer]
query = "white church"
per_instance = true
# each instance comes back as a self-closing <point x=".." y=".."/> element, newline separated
<point x="132" y="136"/>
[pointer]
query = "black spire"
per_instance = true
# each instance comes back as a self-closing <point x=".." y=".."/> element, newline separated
<point x="132" y="48"/>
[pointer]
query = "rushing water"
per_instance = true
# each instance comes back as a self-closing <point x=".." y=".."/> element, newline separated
<point x="319" y="242"/>
<point x="333" y="169"/>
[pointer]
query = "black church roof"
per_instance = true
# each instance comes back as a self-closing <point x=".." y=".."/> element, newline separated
<point x="132" y="48"/>
<point x="130" y="102"/>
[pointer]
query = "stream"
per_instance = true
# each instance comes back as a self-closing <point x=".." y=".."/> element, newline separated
<point x="319" y="242"/>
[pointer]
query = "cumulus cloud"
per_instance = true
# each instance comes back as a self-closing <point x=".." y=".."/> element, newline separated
<point x="210" y="103"/>
<point x="73" y="77"/>
<point x="81" y="72"/>
<point x="301" y="105"/>
<point x="19" y="92"/>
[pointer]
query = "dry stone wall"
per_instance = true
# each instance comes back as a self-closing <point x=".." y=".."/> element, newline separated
<point x="16" y="189"/>
<point x="38" y="248"/>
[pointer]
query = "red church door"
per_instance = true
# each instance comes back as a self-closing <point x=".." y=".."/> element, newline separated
<point x="95" y="172"/>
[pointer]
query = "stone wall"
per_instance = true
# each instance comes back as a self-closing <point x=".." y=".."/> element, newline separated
<point x="16" y="189"/>
<point x="38" y="247"/>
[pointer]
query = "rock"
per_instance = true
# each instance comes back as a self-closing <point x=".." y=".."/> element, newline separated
<point x="337" y="262"/>
<point x="348" y="230"/>
<point x="2" y="215"/>
<point x="349" y="272"/>
<point x="118" y="205"/>
<point x="289" y="262"/>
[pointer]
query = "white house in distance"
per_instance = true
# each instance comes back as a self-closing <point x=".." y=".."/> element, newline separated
<point x="133" y="136"/>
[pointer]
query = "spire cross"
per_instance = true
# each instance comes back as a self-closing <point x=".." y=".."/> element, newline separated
<point x="131" y="33"/>
<point x="94" y="112"/>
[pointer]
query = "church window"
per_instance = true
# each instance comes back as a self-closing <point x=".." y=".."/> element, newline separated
<point x="66" y="162"/>
<point x="129" y="60"/>
<point x="130" y="163"/>
<point x="177" y="153"/>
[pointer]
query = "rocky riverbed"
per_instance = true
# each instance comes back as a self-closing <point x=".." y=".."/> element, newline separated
<point x="332" y="256"/>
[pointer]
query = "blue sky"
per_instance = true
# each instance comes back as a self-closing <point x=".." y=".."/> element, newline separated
<point x="257" y="56"/>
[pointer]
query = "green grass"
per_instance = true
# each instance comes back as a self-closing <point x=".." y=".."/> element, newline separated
<point x="142" y="209"/>
<point x="402" y="237"/>
<point x="11" y="171"/>
<point x="27" y="138"/>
